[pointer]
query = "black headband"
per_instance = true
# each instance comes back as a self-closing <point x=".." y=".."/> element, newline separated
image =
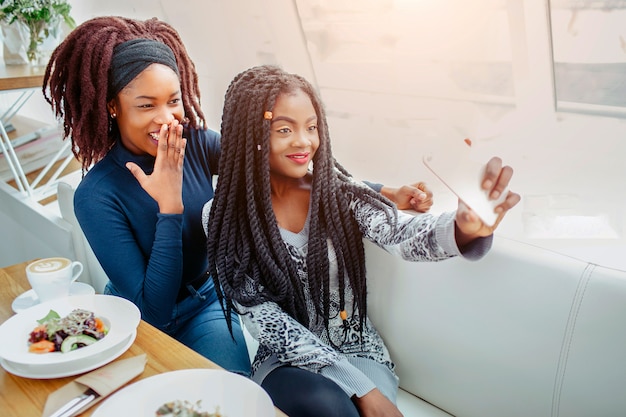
<point x="131" y="57"/>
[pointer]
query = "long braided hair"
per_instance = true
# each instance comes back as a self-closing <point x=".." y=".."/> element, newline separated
<point x="76" y="80"/>
<point x="248" y="259"/>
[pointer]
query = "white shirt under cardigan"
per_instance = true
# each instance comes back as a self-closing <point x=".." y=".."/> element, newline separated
<point x="357" y="362"/>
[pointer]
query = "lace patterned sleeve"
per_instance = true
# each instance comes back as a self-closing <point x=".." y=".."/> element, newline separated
<point x="290" y="341"/>
<point x="206" y="210"/>
<point x="422" y="237"/>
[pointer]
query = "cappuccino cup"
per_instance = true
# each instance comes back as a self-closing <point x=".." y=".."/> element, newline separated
<point x="51" y="278"/>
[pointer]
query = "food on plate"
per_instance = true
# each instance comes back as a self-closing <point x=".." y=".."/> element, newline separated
<point x="63" y="334"/>
<point x="185" y="408"/>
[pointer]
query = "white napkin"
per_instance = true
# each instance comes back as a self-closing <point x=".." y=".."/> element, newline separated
<point x="104" y="381"/>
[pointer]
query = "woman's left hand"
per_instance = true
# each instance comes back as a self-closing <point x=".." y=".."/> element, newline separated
<point x="375" y="404"/>
<point x="416" y="197"/>
<point x="496" y="180"/>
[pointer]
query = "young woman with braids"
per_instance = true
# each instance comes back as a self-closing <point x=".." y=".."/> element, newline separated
<point x="127" y="94"/>
<point x="285" y="246"/>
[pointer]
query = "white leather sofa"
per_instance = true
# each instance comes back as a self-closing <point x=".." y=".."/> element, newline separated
<point x="523" y="332"/>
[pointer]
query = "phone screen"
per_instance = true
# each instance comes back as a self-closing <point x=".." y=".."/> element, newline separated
<point x="463" y="175"/>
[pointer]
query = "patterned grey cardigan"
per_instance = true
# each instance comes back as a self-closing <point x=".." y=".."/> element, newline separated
<point x="357" y="362"/>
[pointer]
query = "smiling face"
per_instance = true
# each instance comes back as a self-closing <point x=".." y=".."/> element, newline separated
<point x="152" y="99"/>
<point x="293" y="136"/>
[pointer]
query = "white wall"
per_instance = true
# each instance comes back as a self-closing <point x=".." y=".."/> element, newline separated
<point x="568" y="167"/>
<point x="223" y="37"/>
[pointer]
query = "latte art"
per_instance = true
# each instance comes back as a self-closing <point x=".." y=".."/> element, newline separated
<point x="52" y="277"/>
<point x="49" y="265"/>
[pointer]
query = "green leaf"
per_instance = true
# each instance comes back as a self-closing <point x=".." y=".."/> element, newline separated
<point x="50" y="316"/>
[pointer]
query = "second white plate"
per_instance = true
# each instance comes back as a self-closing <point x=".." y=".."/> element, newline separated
<point x="234" y="394"/>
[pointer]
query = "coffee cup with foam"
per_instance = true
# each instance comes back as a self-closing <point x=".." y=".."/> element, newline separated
<point x="52" y="278"/>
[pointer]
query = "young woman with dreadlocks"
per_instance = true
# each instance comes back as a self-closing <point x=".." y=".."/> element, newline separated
<point x="285" y="245"/>
<point x="127" y="94"/>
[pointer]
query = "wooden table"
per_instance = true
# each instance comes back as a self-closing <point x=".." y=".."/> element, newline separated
<point x="25" y="397"/>
<point x="13" y="77"/>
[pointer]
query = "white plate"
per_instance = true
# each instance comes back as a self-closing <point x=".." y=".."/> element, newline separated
<point x="122" y="316"/>
<point x="75" y="368"/>
<point x="234" y="394"/>
<point x="29" y="298"/>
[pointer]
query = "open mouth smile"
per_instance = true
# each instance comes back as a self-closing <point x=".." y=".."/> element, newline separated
<point x="299" y="158"/>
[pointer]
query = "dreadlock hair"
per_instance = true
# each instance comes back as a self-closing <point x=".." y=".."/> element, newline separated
<point x="248" y="259"/>
<point x="76" y="80"/>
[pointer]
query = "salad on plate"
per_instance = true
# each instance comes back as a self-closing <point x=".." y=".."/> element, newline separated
<point x="78" y="329"/>
<point x="184" y="408"/>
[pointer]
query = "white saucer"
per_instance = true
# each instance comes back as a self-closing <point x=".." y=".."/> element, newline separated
<point x="29" y="298"/>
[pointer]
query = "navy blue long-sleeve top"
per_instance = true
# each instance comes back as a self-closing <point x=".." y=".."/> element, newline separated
<point x="148" y="256"/>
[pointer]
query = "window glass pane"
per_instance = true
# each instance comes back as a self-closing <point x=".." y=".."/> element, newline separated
<point x="409" y="75"/>
<point x="589" y="50"/>
<point x="437" y="48"/>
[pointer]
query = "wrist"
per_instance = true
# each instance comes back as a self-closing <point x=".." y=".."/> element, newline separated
<point x="388" y="192"/>
<point x="171" y="208"/>
<point x="462" y="238"/>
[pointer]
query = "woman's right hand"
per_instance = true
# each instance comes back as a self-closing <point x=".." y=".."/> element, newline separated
<point x="375" y="404"/>
<point x="165" y="184"/>
<point x="495" y="182"/>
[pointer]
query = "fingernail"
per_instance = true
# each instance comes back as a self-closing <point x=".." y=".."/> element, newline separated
<point x="495" y="195"/>
<point x="487" y="184"/>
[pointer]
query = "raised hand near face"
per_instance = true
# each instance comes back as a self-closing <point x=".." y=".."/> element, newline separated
<point x="165" y="182"/>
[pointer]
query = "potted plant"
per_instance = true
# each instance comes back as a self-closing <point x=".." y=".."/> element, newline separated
<point x="40" y="18"/>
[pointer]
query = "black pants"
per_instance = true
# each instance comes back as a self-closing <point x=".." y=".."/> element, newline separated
<point x="300" y="393"/>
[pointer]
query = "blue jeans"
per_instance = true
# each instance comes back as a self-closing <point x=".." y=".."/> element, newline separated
<point x="199" y="323"/>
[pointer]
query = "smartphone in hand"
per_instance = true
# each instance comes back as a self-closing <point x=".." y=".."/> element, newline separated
<point x="463" y="174"/>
